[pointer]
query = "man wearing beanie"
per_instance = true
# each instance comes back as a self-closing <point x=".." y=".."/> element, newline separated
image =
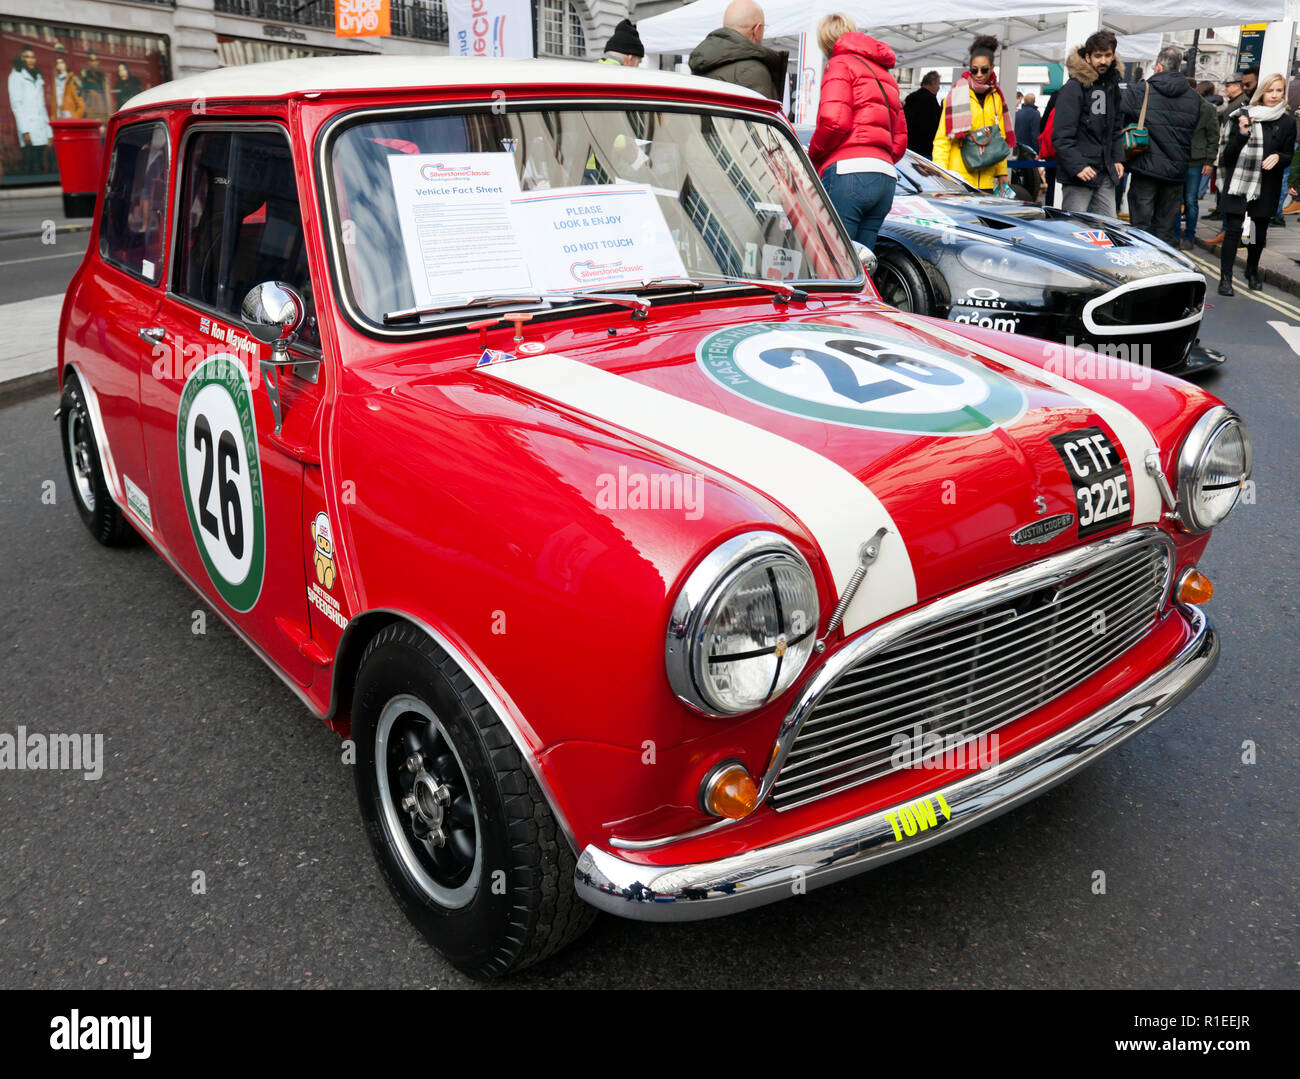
<point x="736" y="52"/>
<point x="624" y="46"/>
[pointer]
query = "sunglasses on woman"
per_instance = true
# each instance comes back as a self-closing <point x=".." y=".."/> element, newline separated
<point x="980" y="70"/>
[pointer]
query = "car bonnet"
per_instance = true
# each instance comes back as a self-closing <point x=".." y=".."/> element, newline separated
<point x="856" y="421"/>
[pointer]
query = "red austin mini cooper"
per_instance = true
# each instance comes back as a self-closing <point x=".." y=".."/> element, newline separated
<point x="537" y="424"/>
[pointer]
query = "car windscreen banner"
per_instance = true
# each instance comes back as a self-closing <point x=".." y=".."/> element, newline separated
<point x="490" y="28"/>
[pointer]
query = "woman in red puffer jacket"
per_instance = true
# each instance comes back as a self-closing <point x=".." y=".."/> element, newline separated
<point x="861" y="131"/>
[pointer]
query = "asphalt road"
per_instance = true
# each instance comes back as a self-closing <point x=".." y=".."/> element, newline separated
<point x="41" y="265"/>
<point x="213" y="766"/>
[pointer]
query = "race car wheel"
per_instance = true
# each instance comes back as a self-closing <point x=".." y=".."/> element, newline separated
<point x="902" y="283"/>
<point x="462" y="832"/>
<point x="85" y="471"/>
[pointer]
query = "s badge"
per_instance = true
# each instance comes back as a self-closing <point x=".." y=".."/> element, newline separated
<point x="1096" y="471"/>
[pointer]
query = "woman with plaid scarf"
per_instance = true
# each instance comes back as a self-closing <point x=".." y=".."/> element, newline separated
<point x="1257" y="143"/>
<point x="974" y="102"/>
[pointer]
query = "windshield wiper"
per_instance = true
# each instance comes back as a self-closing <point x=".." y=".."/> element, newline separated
<point x="786" y="292"/>
<point x="640" y="308"/>
<point x="411" y="313"/>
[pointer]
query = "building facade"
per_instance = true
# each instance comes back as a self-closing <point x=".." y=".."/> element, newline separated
<point x="81" y="59"/>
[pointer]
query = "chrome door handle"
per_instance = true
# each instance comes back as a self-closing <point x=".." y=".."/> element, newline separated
<point x="152" y="333"/>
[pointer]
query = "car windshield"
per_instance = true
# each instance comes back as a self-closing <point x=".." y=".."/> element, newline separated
<point x="927" y="178"/>
<point x="437" y="213"/>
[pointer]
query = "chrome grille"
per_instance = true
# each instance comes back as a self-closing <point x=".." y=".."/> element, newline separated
<point x="973" y="673"/>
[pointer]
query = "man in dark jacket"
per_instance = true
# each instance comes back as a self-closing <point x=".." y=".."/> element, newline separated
<point x="923" y="112"/>
<point x="736" y="53"/>
<point x="1086" y="131"/>
<point x="1159" y="173"/>
<point x="1029" y="125"/>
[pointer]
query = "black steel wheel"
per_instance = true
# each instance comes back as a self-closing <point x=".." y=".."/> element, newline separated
<point x="902" y="284"/>
<point x="462" y="833"/>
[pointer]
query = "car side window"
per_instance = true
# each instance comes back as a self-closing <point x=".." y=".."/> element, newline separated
<point x="240" y="223"/>
<point x="134" y="217"/>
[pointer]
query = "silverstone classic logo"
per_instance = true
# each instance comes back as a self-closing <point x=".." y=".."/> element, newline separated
<point x="860" y="379"/>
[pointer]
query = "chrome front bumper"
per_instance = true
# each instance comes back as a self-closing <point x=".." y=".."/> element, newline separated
<point x="710" y="889"/>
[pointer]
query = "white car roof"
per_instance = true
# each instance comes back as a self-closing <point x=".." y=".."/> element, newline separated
<point x="283" y="78"/>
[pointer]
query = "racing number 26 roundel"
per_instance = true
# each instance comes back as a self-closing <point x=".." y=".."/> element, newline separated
<point x="221" y="479"/>
<point x="841" y="375"/>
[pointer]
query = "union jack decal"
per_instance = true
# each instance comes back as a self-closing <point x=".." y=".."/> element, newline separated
<point x="1095" y="237"/>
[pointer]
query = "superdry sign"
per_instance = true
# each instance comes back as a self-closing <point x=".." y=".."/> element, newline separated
<point x="490" y="28"/>
<point x="361" y="18"/>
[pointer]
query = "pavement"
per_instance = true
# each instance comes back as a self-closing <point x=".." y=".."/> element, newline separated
<point x="27" y="366"/>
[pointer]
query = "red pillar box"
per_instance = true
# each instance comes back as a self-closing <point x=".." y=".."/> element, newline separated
<point x="79" y="146"/>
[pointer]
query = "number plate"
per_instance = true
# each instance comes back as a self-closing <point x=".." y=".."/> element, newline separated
<point x="1096" y="471"/>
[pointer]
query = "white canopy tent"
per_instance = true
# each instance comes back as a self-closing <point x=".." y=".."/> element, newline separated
<point x="937" y="32"/>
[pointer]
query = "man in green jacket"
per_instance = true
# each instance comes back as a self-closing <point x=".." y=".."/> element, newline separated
<point x="1205" y="151"/>
<point x="736" y="52"/>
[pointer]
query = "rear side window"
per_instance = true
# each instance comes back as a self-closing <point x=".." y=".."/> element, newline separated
<point x="135" y="203"/>
<point x="240" y="223"/>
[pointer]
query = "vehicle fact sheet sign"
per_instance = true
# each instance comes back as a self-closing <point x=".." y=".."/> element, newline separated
<point x="456" y="230"/>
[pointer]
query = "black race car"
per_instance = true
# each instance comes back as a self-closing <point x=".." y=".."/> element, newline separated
<point x="1093" y="282"/>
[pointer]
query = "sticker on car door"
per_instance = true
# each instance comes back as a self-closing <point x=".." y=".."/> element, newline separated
<point x="221" y="478"/>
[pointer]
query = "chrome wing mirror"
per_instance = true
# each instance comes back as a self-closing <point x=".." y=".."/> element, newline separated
<point x="867" y="257"/>
<point x="273" y="312"/>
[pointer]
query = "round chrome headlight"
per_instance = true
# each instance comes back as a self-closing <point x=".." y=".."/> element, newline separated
<point x="743" y="625"/>
<point x="1213" y="466"/>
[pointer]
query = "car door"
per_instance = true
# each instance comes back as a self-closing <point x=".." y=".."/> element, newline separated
<point x="108" y="328"/>
<point x="227" y="469"/>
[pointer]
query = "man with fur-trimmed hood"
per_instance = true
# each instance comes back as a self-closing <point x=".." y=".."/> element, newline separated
<point x="1086" y="135"/>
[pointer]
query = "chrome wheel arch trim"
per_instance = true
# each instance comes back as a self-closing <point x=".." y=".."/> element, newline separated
<point x="97" y="430"/>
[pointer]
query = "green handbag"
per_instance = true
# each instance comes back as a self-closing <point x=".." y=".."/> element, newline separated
<point x="982" y="147"/>
<point x="1136" y="137"/>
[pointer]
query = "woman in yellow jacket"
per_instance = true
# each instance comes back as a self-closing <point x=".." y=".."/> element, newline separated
<point x="974" y="101"/>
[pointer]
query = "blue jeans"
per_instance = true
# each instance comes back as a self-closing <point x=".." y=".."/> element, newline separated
<point x="1191" y="195"/>
<point x="862" y="199"/>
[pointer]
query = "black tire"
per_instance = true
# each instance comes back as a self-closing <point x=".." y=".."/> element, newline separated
<point x="90" y="494"/>
<point x="512" y="902"/>
<point x="902" y="283"/>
